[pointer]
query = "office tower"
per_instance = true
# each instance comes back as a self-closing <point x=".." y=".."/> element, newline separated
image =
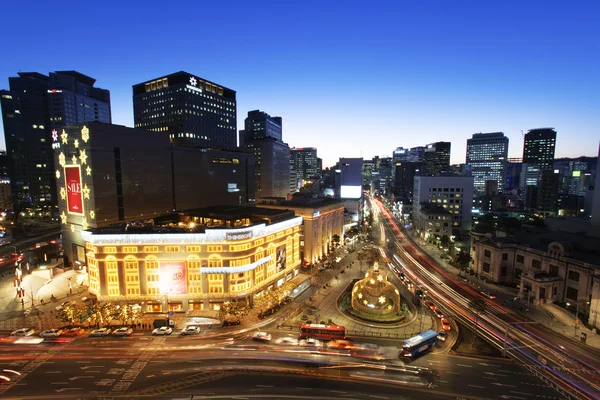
<point x="538" y="157"/>
<point x="382" y="174"/>
<point x="304" y="161"/>
<point x="193" y="111"/>
<point x="596" y="197"/>
<point x="436" y="159"/>
<point x="404" y="177"/>
<point x="453" y="193"/>
<point x="408" y="155"/>
<point x="34" y="110"/>
<point x="263" y="138"/>
<point x="487" y="155"/>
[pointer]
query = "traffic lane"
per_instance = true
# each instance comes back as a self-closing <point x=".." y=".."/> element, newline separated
<point x="300" y="387"/>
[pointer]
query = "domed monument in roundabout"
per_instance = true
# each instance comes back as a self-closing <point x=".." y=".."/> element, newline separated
<point x="375" y="299"/>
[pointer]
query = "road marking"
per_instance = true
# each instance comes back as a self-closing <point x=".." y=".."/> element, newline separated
<point x="52" y="372"/>
<point x="453" y="373"/>
<point x="475" y="386"/>
<point x="337" y="391"/>
<point x="378" y="397"/>
<point x="84" y="362"/>
<point x="463" y="365"/>
<point x="59" y="383"/>
<point x="526" y="394"/>
<point x="303" y="388"/>
<point x="264" y="386"/>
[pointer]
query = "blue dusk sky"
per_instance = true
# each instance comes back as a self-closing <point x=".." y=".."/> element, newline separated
<point x="352" y="79"/>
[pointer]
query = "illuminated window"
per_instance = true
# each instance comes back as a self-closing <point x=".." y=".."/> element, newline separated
<point x="130" y="249"/>
<point x="171" y="249"/>
<point x="192" y="249"/>
<point x="258" y="242"/>
<point x="214" y="248"/>
<point x="110" y="250"/>
<point x="150" y="249"/>
<point x="215" y="261"/>
<point x="270" y="238"/>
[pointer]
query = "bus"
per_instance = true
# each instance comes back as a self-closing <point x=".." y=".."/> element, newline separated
<point x="321" y="331"/>
<point x="419" y="344"/>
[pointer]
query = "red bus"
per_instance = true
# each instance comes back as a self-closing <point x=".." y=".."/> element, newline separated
<point x="320" y="331"/>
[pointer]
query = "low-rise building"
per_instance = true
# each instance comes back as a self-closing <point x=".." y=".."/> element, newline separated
<point x="322" y="219"/>
<point x="557" y="267"/>
<point x="195" y="260"/>
<point x="432" y="219"/>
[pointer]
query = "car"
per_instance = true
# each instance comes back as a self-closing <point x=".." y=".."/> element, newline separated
<point x="341" y="344"/>
<point x="163" y="330"/>
<point x="51" y="333"/>
<point x="442" y="336"/>
<point x="287" y="341"/>
<point x="23" y="332"/>
<point x="446" y="324"/>
<point x="430" y="304"/>
<point x="262" y="337"/>
<point x="190" y="330"/>
<point x="123" y="331"/>
<point x="100" y="332"/>
<point x="439" y="314"/>
<point x="70" y="332"/>
<point x="310" y="342"/>
<point x="231" y="322"/>
<point x="489" y="295"/>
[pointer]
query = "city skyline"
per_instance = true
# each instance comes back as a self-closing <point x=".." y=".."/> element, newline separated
<point x="468" y="70"/>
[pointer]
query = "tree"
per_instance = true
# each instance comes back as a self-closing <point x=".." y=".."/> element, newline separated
<point x="463" y="260"/>
<point x="136" y="313"/>
<point x="335" y="240"/>
<point x="69" y="312"/>
<point x="123" y="313"/>
<point x="232" y="308"/>
<point x="478" y="306"/>
<point x="444" y="241"/>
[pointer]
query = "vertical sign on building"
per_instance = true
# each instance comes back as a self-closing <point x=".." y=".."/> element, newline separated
<point x="73" y="183"/>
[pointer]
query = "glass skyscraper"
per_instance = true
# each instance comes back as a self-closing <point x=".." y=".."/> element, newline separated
<point x="487" y="154"/>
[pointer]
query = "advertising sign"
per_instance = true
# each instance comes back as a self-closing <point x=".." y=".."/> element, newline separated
<point x="281" y="258"/>
<point x="240" y="235"/>
<point x="172" y="277"/>
<point x="73" y="183"/>
<point x="350" y="192"/>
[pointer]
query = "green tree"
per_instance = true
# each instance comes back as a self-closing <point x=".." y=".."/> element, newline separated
<point x="335" y="240"/>
<point x="69" y="313"/>
<point x="477" y="306"/>
<point x="463" y="260"/>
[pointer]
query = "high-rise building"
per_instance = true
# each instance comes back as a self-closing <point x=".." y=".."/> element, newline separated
<point x="596" y="197"/>
<point x="193" y="111"/>
<point x="538" y="158"/>
<point x="404" y="177"/>
<point x="453" y="193"/>
<point x="34" y="110"/>
<point x="436" y="159"/>
<point x="304" y="161"/>
<point x="263" y="138"/>
<point x="487" y="155"/>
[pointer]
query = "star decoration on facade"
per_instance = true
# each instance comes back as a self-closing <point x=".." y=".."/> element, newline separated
<point x="93" y="214"/>
<point x="63" y="193"/>
<point x="86" y="192"/>
<point x="375" y="267"/>
<point x="365" y="302"/>
<point x="74" y="159"/>
<point x="372" y="281"/>
<point x="61" y="159"/>
<point x="54" y="135"/>
<point x="65" y="137"/>
<point x="193" y="81"/>
<point x="83" y="157"/>
<point x="366" y="274"/>
<point x="85" y="134"/>
<point x="63" y="218"/>
<point x="76" y="143"/>
<point x="396" y="290"/>
<point x="57" y="174"/>
<point x="72" y="228"/>
<point x="360" y="295"/>
<point x="84" y="224"/>
<point x="88" y="170"/>
<point x="382" y="299"/>
<point x="380" y="278"/>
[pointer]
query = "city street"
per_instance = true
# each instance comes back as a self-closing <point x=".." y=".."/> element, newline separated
<point x="146" y="365"/>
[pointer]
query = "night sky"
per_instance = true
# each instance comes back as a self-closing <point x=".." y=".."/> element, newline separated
<point x="350" y="80"/>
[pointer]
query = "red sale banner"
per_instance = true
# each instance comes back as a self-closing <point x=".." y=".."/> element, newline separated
<point x="173" y="277"/>
<point x="74" y="196"/>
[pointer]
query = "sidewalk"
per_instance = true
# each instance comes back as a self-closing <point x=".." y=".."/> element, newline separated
<point x="556" y="318"/>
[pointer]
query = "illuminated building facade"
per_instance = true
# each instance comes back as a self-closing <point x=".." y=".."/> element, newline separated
<point x="305" y="161"/>
<point x="195" y="260"/>
<point x="108" y="174"/>
<point x="322" y="219"/>
<point x="194" y="112"/>
<point x="487" y="155"/>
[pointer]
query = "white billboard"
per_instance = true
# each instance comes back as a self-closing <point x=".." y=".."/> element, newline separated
<point x="350" y="192"/>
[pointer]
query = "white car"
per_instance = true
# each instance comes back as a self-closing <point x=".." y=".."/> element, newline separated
<point x="310" y="342"/>
<point x="442" y="336"/>
<point x="262" y="336"/>
<point x="100" y="332"/>
<point x="190" y="330"/>
<point x="163" y="330"/>
<point x="51" y="333"/>
<point x="23" y="332"/>
<point x="287" y="341"/>
<point x="124" y="331"/>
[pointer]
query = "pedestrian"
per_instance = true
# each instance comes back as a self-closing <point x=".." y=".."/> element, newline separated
<point x="41" y="301"/>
